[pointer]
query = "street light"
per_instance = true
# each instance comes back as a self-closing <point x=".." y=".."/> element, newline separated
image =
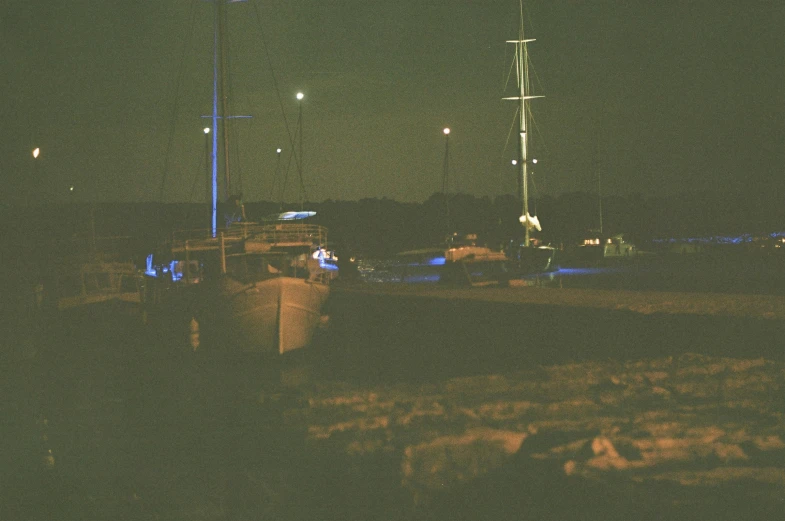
<point x="277" y="174"/>
<point x="36" y="183"/>
<point x="446" y="173"/>
<point x="300" y="97"/>
<point x="446" y="176"/>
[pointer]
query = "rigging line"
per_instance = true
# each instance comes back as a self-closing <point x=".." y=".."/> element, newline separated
<point x="536" y="192"/>
<point x="173" y="119"/>
<point x="536" y="76"/>
<point x="276" y="173"/>
<point x="238" y="163"/>
<point x="537" y="129"/>
<point x="286" y="178"/>
<point x="275" y="83"/>
<point x="512" y="62"/>
<point x="197" y="176"/>
<point x="304" y="195"/>
<point x="230" y="128"/>
<point x="507" y="142"/>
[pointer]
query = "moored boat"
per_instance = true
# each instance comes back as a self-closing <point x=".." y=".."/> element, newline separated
<point x="527" y="256"/>
<point x="462" y="261"/>
<point x="258" y="286"/>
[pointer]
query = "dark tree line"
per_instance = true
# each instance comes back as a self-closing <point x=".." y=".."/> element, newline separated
<point x="381" y="226"/>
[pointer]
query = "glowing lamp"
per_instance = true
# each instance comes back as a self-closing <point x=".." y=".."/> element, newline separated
<point x="36" y="152"/>
<point x="446" y="131"/>
<point x="300" y="96"/>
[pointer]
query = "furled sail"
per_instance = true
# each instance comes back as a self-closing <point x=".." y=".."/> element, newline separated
<point x="531" y="222"/>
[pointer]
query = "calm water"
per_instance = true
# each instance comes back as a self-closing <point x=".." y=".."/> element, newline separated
<point x="712" y="273"/>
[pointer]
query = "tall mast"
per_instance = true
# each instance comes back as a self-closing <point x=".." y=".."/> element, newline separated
<point x="214" y="155"/>
<point x="522" y="70"/>
<point x="218" y="71"/>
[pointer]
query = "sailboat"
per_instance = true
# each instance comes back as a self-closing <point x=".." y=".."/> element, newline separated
<point x="461" y="260"/>
<point x="95" y="271"/>
<point x="526" y="257"/>
<point x="597" y="246"/>
<point x="259" y="287"/>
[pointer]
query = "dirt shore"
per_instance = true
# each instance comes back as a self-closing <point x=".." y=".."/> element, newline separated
<point x="415" y="404"/>
<point x="643" y="302"/>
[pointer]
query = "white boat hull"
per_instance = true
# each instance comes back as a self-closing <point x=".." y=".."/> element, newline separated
<point x="276" y="315"/>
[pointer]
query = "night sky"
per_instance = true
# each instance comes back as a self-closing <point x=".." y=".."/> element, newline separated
<point x="661" y="97"/>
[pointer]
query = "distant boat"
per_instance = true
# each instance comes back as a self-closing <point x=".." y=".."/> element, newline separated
<point x="97" y="280"/>
<point x="461" y="261"/>
<point x="604" y="247"/>
<point x="94" y="270"/>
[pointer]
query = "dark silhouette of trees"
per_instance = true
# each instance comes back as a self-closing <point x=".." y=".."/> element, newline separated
<point x="382" y="226"/>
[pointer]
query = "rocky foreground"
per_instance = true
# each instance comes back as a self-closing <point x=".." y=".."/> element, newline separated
<point x="665" y="438"/>
<point x="598" y="413"/>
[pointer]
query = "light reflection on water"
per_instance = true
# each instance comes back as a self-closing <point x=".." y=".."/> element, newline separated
<point x="695" y="273"/>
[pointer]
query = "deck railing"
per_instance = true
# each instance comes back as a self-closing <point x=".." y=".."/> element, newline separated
<point x="279" y="233"/>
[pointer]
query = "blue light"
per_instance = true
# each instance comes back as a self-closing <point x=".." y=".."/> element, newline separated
<point x="175" y="276"/>
<point x="572" y="272"/>
<point x="718" y="239"/>
<point x="436" y="261"/>
<point x="327" y="265"/>
<point x="149" y="268"/>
